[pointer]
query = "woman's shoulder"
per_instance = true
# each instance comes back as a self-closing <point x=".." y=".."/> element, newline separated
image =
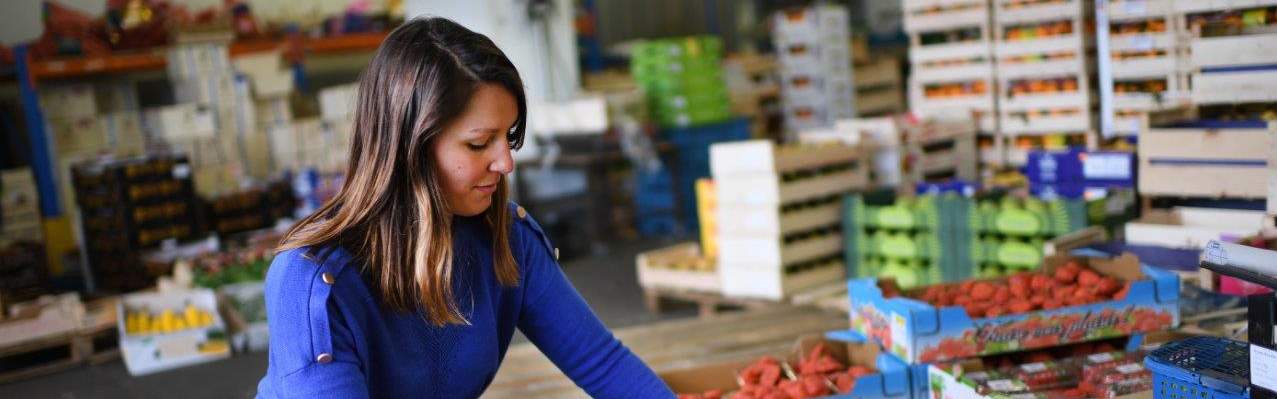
<point x="525" y="231"/>
<point x="298" y="270"/>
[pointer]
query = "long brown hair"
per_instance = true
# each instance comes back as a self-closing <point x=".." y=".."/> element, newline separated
<point x="391" y="213"/>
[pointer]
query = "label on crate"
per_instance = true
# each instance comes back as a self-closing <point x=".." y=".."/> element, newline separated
<point x="1003" y="385"/>
<point x="1100" y="357"/>
<point x="1263" y="367"/>
<point x="899" y="334"/>
<point x="1130" y="368"/>
<point x="1034" y="367"/>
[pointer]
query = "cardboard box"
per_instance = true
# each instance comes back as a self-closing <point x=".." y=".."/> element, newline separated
<point x="1186" y="227"/>
<point x="273" y="111"/>
<point x="891" y="381"/>
<point x="681" y="266"/>
<point x="121" y="127"/>
<point x="948" y="381"/>
<point x="212" y="89"/>
<point x="68" y="101"/>
<point x="277" y="84"/>
<point x="178" y="122"/>
<point x="338" y="102"/>
<point x="919" y="332"/>
<point x="116" y="97"/>
<point x="146" y="353"/>
<point x="77" y="135"/>
<point x="198" y="59"/>
<point x="18" y="194"/>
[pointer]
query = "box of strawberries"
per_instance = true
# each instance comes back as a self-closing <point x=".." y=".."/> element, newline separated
<point x="819" y="367"/>
<point x="1077" y="297"/>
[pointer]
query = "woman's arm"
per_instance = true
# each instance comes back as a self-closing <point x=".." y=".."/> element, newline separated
<point x="312" y="350"/>
<point x="557" y="320"/>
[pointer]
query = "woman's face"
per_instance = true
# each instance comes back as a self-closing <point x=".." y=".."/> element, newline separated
<point x="473" y="152"/>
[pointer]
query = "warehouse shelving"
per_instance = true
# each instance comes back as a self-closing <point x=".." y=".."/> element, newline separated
<point x="30" y="73"/>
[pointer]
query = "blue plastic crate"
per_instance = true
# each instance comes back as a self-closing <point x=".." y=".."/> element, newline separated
<point x="691" y="145"/>
<point x="1201" y="368"/>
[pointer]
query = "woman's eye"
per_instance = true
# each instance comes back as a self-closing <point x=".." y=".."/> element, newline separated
<point x="477" y="146"/>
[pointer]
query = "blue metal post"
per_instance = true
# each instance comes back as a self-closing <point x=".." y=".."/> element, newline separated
<point x="40" y="157"/>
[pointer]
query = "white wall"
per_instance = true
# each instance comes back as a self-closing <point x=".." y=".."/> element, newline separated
<point x="20" y="21"/>
<point x="549" y="72"/>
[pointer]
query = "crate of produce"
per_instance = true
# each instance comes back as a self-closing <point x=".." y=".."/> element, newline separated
<point x="1133" y="9"/>
<point x="681" y="266"/>
<point x="24" y="274"/>
<point x="780" y="221"/>
<point x="164" y="331"/>
<point x="830" y="367"/>
<point x="1205" y="161"/>
<point x="1107" y="369"/>
<point x="1091" y="297"/>
<point x="930" y="15"/>
<point x="1235" y="69"/>
<point x="777" y="282"/>
<point x="683" y="79"/>
<point x="758" y="172"/>
<point x="244" y="306"/>
<point x="1028" y="217"/>
<point x="1201" y="367"/>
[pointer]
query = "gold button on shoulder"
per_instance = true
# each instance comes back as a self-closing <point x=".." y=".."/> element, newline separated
<point x="523" y="213"/>
<point x="324" y="358"/>
<point x="556" y="254"/>
<point x="328" y="278"/>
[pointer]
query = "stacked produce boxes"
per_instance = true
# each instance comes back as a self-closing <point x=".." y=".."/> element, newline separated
<point x="683" y="79"/>
<point x="1044" y="73"/>
<point x="814" y="44"/>
<point x="130" y="205"/>
<point x="784" y="232"/>
<point x="951" y="48"/>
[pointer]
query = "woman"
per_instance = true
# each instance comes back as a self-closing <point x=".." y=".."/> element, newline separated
<point x="411" y="281"/>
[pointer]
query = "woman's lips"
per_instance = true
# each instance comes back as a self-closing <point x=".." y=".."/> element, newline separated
<point x="487" y="189"/>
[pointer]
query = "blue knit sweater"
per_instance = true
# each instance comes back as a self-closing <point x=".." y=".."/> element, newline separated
<point x="338" y="341"/>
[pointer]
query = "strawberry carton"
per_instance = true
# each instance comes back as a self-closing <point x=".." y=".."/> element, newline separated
<point x="836" y="366"/>
<point x="1078" y="297"/>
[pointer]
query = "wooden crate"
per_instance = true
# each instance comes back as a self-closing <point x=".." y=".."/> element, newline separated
<point x="671" y="345"/>
<point x="773" y="221"/>
<point x="1226" y="87"/>
<point x="678" y="267"/>
<point x="936" y="146"/>
<point x="771" y="252"/>
<point x="1194" y="162"/>
<point x="773" y="283"/>
<point x="753" y="173"/>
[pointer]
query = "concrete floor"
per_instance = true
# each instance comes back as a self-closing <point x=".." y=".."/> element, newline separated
<point x="607" y="282"/>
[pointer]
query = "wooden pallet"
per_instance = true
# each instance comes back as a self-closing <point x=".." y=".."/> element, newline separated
<point x="670" y="345"/>
<point x="58" y="353"/>
<point x="708" y="304"/>
<point x="94" y="342"/>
